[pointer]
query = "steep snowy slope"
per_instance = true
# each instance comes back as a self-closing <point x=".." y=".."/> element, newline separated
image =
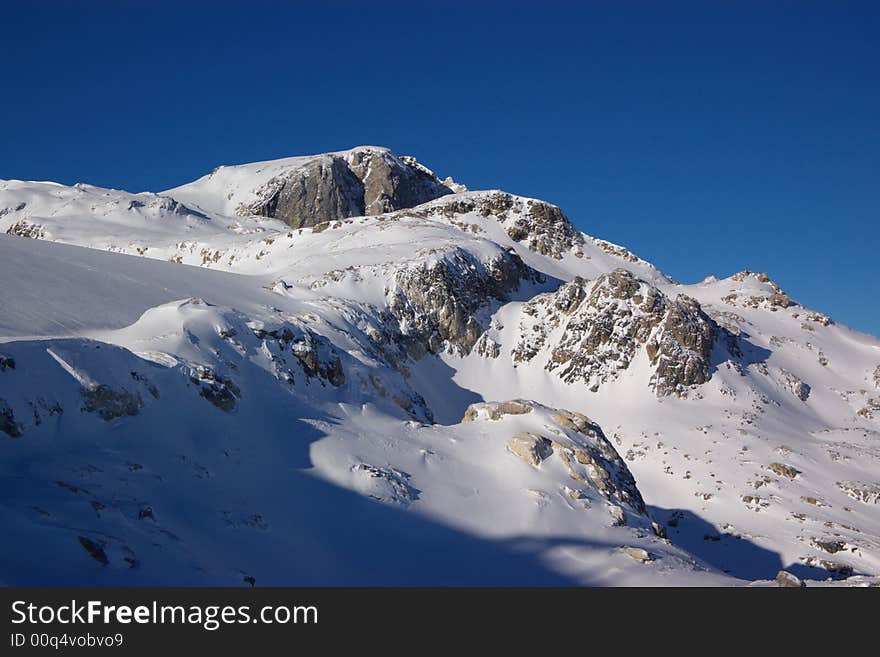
<point x="193" y="446"/>
<point x="298" y="369"/>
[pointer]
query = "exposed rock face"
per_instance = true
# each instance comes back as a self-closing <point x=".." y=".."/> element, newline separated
<point x="368" y="181"/>
<point x="385" y="484"/>
<point x="219" y="390"/>
<point x="540" y="226"/>
<point x="325" y="189"/>
<point x="637" y="553"/>
<point x="602" y="325"/>
<point x="830" y="545"/>
<point x="837" y="570"/>
<point x="820" y="318"/>
<point x="877" y="376"/>
<point x="773" y="300"/>
<point x="603" y="466"/>
<point x="24" y="228"/>
<point x="592" y="331"/>
<point x="545" y="229"/>
<point x="784" y="470"/>
<point x="863" y="492"/>
<point x="797" y="387"/>
<point x="497" y="410"/>
<point x="530" y="448"/>
<point x="487" y="347"/>
<point x="110" y="404"/>
<point x="786" y="580"/>
<point x="95" y="550"/>
<point x="435" y="303"/>
<point x="870" y="409"/>
<point x="315" y="353"/>
<point x="589" y="458"/>
<point x="392" y="183"/>
<point x="326" y="365"/>
<point x="8" y="425"/>
<point x="681" y="350"/>
<point x="615" y="250"/>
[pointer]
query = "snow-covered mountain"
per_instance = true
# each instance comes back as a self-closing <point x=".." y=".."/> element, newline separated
<point x="339" y="369"/>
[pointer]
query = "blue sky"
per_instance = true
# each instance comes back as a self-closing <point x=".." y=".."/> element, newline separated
<point x="708" y="137"/>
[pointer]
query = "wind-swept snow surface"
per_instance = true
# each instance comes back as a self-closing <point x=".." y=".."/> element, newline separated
<point x="339" y="369"/>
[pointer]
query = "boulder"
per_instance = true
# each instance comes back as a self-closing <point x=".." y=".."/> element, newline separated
<point x="638" y="554"/>
<point x="786" y="580"/>
<point x="530" y="448"/>
<point x="784" y="470"/>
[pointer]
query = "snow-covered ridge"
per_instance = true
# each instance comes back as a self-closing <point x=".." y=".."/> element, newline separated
<point x="435" y="365"/>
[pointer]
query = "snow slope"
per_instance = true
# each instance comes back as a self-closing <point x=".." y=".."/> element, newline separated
<point x="205" y="395"/>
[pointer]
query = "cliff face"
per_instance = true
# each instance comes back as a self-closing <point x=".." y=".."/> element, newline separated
<point x="364" y="181"/>
<point x="590" y="332"/>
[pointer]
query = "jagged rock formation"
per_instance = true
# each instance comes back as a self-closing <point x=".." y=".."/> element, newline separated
<point x="773" y="300"/>
<point x="867" y="493"/>
<point x="540" y="226"/>
<point x="315" y="353"/>
<point x="591" y="332"/>
<point x="364" y="181"/>
<point x="681" y="349"/>
<point x="110" y="404"/>
<point x="219" y="390"/>
<point x="24" y="228"/>
<point x="435" y="303"/>
<point x="798" y="388"/>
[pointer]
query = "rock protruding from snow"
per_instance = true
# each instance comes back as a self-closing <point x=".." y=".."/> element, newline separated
<point x="867" y="493"/>
<point x="363" y="181"/>
<point x="793" y="383"/>
<point x="589" y="332"/>
<point x="605" y="470"/>
<point x="529" y="447"/>
<point x="8" y="424"/>
<point x="580" y="444"/>
<point x="436" y="301"/>
<point x="639" y="554"/>
<point x="784" y="470"/>
<point x="497" y="410"/>
<point x="786" y="580"/>
<point x="384" y="484"/>
<point x="767" y="295"/>
<point x="540" y="226"/>
<point x="109" y="403"/>
<point x="681" y="349"/>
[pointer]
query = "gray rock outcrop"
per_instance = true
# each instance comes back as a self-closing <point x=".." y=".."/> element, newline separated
<point x="436" y="303"/>
<point x="364" y="181"/>
<point x="604" y="325"/>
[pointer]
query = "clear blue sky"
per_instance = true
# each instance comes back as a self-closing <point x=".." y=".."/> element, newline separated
<point x="708" y="137"/>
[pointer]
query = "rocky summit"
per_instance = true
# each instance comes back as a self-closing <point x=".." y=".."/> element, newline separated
<point x="341" y="369"/>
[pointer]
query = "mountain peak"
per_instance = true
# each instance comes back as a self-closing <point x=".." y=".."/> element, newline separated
<point x="311" y="190"/>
